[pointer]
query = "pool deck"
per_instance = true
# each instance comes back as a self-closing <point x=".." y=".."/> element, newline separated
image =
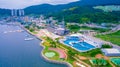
<point x="86" y="39"/>
<point x="61" y="41"/>
<point x="97" y="40"/>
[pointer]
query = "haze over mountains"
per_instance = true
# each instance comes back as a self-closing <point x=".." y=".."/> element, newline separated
<point x="47" y="8"/>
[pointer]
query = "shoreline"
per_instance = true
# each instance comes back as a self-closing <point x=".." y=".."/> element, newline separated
<point x="54" y="61"/>
<point x="45" y="58"/>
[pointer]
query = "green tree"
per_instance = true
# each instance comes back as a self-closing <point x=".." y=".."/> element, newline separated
<point x="84" y="20"/>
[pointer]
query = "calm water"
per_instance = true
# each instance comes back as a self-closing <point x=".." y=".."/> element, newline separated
<point x="15" y="52"/>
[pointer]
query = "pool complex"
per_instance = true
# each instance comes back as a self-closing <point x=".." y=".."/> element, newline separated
<point x="75" y="42"/>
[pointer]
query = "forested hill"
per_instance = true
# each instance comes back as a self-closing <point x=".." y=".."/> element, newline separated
<point x="4" y="12"/>
<point x="87" y="14"/>
<point x="47" y="8"/>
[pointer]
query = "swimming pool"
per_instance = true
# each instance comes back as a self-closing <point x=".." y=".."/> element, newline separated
<point x="74" y="42"/>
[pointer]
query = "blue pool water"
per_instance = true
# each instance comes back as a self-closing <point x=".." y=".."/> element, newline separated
<point x="81" y="46"/>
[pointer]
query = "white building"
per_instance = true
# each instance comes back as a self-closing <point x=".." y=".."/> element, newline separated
<point x="111" y="52"/>
<point x="60" y="31"/>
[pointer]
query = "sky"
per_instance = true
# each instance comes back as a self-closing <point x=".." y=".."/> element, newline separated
<point x="19" y="4"/>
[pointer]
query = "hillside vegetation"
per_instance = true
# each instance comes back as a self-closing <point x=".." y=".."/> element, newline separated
<point x="113" y="37"/>
<point x="48" y="8"/>
<point x="87" y="15"/>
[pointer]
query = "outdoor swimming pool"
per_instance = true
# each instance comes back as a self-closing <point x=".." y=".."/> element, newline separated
<point x="74" y="42"/>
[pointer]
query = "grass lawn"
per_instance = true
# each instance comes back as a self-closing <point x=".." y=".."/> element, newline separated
<point x="34" y="32"/>
<point x="76" y="28"/>
<point x="50" y="54"/>
<point x="95" y="29"/>
<point x="113" y="37"/>
<point x="54" y="57"/>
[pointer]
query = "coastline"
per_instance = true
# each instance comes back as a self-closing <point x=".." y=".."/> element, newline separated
<point x="54" y="61"/>
<point x="48" y="60"/>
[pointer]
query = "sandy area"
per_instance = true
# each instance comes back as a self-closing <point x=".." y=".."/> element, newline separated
<point x="45" y="32"/>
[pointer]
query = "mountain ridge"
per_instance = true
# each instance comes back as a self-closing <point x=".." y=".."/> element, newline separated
<point x="48" y="8"/>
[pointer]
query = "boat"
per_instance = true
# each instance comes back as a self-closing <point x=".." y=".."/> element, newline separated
<point x="28" y="39"/>
<point x="27" y="35"/>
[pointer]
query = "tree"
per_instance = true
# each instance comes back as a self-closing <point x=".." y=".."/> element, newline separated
<point x="32" y="30"/>
<point x="53" y="44"/>
<point x="84" y="20"/>
<point x="106" y="46"/>
<point x="71" y="53"/>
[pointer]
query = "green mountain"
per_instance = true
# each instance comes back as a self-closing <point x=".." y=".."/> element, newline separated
<point x="47" y="8"/>
<point x="87" y="14"/>
<point x="4" y="12"/>
<point x="80" y="11"/>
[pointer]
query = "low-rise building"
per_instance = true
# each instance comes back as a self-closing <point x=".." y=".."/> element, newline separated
<point x="58" y="29"/>
<point x="111" y="52"/>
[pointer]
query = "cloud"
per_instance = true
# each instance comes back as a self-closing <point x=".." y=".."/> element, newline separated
<point x="14" y="4"/>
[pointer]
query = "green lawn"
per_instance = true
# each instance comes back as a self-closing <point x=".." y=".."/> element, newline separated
<point x="95" y="29"/>
<point x="50" y="54"/>
<point x="55" y="57"/>
<point x="113" y="37"/>
<point x="76" y="28"/>
<point x="34" y="32"/>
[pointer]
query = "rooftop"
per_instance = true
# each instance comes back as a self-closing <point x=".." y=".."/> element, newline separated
<point x="112" y="51"/>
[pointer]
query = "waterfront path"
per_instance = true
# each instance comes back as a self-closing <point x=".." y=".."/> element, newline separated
<point x="82" y="62"/>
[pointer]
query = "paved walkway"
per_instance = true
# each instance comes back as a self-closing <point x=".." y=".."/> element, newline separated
<point x="82" y="62"/>
<point x="60" y="51"/>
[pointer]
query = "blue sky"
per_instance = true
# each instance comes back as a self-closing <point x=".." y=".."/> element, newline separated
<point x="16" y="4"/>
